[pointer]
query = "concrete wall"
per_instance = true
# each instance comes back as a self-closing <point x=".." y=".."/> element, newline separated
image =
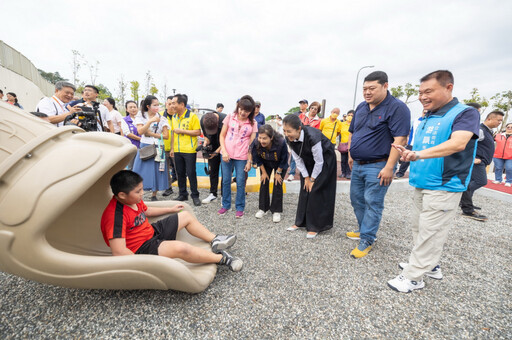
<point x="27" y="92"/>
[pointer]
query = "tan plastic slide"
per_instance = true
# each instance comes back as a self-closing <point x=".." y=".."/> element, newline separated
<point x="54" y="186"/>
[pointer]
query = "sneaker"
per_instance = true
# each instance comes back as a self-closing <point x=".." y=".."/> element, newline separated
<point x="290" y="178"/>
<point x="276" y="217"/>
<point x="168" y="192"/>
<point x="496" y="182"/>
<point x="234" y="263"/>
<point x="404" y="285"/>
<point x="361" y="250"/>
<point x="353" y="235"/>
<point x="508" y="184"/>
<point x="154" y="198"/>
<point x="434" y="273"/>
<point x="208" y="199"/>
<point x="239" y="214"/>
<point x="398" y="176"/>
<point x="222" y="211"/>
<point x="260" y="214"/>
<point x="476" y="216"/>
<point x="222" y="242"/>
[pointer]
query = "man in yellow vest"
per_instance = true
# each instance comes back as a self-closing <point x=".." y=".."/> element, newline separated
<point x="185" y="129"/>
<point x="168" y="113"/>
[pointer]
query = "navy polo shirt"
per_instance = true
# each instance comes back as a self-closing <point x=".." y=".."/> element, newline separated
<point x="373" y="131"/>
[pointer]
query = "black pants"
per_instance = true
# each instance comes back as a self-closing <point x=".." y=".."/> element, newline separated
<point x="186" y="167"/>
<point x="345" y="168"/>
<point x="214" y="164"/>
<point x="277" y="194"/>
<point x="478" y="180"/>
<point x="403" y="165"/>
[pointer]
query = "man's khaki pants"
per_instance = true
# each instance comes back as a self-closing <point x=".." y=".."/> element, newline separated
<point x="432" y="215"/>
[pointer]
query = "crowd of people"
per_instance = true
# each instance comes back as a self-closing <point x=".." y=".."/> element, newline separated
<point x="440" y="149"/>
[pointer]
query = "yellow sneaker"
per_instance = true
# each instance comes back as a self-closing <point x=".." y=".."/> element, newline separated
<point x="353" y="235"/>
<point x="361" y="250"/>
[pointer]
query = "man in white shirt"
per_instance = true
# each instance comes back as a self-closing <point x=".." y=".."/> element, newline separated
<point x="89" y="96"/>
<point x="55" y="106"/>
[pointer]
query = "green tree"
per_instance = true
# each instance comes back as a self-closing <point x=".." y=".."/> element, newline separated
<point x="292" y="110"/>
<point x="153" y="90"/>
<point x="51" y="76"/>
<point x="503" y="102"/>
<point x="406" y="91"/>
<point x="134" y="90"/>
<point x="397" y="92"/>
<point x="476" y="98"/>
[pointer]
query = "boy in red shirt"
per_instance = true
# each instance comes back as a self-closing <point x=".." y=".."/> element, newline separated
<point x="126" y="229"/>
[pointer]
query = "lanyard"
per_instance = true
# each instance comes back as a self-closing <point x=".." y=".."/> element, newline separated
<point x="58" y="102"/>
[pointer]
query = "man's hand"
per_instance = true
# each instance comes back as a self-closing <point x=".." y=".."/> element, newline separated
<point x="386" y="176"/>
<point x="478" y="161"/>
<point x="405" y="155"/>
<point x="178" y="131"/>
<point x="350" y="161"/>
<point x="75" y="109"/>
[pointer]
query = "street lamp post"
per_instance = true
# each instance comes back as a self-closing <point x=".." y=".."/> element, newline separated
<point x="355" y="91"/>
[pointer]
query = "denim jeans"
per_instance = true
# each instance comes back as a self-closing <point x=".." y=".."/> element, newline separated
<point x="227" y="170"/>
<point x="367" y="198"/>
<point x="292" y="165"/>
<point x="499" y="163"/>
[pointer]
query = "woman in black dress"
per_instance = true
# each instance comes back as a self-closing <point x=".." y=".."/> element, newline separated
<point x="314" y="155"/>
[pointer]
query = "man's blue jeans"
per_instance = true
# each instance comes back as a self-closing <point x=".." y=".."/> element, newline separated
<point x="227" y="170"/>
<point x="367" y="198"/>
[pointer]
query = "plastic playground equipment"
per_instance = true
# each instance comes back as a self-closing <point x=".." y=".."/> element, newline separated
<point x="54" y="185"/>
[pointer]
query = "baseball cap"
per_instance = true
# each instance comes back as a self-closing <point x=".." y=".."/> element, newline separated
<point x="210" y="123"/>
<point x="257" y="103"/>
<point x="303" y="101"/>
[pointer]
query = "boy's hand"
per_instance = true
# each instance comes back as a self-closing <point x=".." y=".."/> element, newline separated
<point x="177" y="208"/>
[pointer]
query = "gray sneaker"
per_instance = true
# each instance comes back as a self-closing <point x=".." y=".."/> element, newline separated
<point x="222" y="242"/>
<point x="433" y="274"/>
<point x="234" y="263"/>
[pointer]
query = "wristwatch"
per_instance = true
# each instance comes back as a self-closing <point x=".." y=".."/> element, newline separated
<point x="279" y="172"/>
<point x="312" y="179"/>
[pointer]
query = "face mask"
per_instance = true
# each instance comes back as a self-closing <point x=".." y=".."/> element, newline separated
<point x="349" y="118"/>
<point x="334" y="116"/>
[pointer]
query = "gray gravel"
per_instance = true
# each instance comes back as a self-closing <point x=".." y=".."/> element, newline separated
<point x="294" y="288"/>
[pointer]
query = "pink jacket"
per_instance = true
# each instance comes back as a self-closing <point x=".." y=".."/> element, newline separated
<point x="238" y="136"/>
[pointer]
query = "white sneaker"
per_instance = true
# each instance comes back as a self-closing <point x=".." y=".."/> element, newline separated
<point x="260" y="214"/>
<point x="435" y="273"/>
<point x="508" y="184"/>
<point x="209" y="199"/>
<point x="404" y="285"/>
<point x="496" y="182"/>
<point x="290" y="178"/>
<point x="276" y="217"/>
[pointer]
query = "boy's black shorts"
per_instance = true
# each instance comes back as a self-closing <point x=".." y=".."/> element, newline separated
<point x="165" y="230"/>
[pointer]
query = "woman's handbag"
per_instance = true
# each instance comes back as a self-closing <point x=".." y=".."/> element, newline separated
<point x="147" y="152"/>
<point x="343" y="147"/>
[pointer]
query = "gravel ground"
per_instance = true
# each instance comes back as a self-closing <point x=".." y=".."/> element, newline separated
<point x="294" y="288"/>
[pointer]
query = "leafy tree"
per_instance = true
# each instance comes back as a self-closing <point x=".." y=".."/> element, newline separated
<point x="134" y="90"/>
<point x="292" y="110"/>
<point x="51" y="76"/>
<point x="476" y="98"/>
<point x="406" y="91"/>
<point x="397" y="92"/>
<point x="104" y="92"/>
<point x="503" y="102"/>
<point x="153" y="90"/>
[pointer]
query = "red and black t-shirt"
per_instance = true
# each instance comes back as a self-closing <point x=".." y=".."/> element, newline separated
<point x="121" y="221"/>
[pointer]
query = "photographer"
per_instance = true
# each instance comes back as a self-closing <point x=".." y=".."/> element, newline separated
<point x="89" y="96"/>
<point x="55" y="106"/>
<point x="211" y="124"/>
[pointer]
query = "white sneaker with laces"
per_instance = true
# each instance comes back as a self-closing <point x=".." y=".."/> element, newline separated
<point x="508" y="184"/>
<point x="435" y="273"/>
<point x="208" y="199"/>
<point x="276" y="217"/>
<point x="290" y="178"/>
<point x="404" y="285"/>
<point x="260" y="214"/>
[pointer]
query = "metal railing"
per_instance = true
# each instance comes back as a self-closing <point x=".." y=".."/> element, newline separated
<point x="18" y="63"/>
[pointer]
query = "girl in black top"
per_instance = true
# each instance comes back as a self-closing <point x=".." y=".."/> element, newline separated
<point x="270" y="153"/>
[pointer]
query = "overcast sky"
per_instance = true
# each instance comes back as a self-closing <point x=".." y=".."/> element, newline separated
<point x="277" y="51"/>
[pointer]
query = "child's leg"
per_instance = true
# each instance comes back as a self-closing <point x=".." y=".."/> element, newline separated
<point x="194" y="227"/>
<point x="187" y="252"/>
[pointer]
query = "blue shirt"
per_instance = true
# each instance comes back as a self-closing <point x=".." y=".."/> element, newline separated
<point x="373" y="131"/>
<point x="260" y="119"/>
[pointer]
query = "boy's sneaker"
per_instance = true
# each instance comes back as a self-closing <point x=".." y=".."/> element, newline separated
<point x="234" y="263"/>
<point x="239" y="214"/>
<point x="260" y="214"/>
<point x="290" y="178"/>
<point x="168" y="192"/>
<point x="361" y="250"/>
<point x="208" y="199"/>
<point x="434" y="273"/>
<point x="276" y="217"/>
<point x="353" y="235"/>
<point x="476" y="216"/>
<point x="222" y="211"/>
<point x="404" y="285"/>
<point x="222" y="242"/>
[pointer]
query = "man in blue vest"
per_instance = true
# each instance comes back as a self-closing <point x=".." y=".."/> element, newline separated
<point x="441" y="163"/>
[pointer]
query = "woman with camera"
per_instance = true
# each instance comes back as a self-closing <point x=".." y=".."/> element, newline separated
<point x="270" y="154"/>
<point x="129" y="129"/>
<point x="237" y="134"/>
<point x="152" y="128"/>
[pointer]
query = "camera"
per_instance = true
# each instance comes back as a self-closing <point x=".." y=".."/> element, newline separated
<point x="86" y="118"/>
<point x="207" y="151"/>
